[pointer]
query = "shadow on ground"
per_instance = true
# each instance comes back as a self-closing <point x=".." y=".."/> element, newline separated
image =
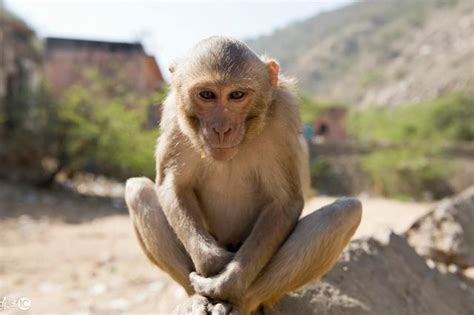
<point x="59" y="203"/>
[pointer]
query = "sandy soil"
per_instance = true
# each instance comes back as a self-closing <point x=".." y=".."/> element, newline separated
<point x="71" y="254"/>
<point x="380" y="214"/>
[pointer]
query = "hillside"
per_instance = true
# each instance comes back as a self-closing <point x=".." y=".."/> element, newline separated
<point x="379" y="52"/>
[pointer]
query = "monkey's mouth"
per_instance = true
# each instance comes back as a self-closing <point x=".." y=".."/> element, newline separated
<point x="214" y="144"/>
<point x="220" y="147"/>
<point x="223" y="153"/>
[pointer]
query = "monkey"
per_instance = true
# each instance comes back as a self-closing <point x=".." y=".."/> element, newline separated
<point x="223" y="217"/>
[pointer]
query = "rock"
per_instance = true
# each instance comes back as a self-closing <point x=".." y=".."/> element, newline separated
<point x="375" y="277"/>
<point x="469" y="275"/>
<point x="446" y="234"/>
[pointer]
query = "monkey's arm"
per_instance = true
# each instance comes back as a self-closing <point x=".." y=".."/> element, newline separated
<point x="183" y="213"/>
<point x="273" y="226"/>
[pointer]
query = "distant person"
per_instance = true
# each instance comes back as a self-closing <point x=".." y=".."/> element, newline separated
<point x="308" y="132"/>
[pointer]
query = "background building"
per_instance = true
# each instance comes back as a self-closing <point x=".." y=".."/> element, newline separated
<point x="67" y="59"/>
<point x="330" y="125"/>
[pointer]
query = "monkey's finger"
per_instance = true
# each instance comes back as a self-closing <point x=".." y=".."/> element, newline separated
<point x="197" y="280"/>
<point x="202" y="289"/>
<point x="199" y="309"/>
<point x="199" y="305"/>
<point x="197" y="283"/>
<point x="221" y="309"/>
<point x="194" y="305"/>
<point x="205" y="286"/>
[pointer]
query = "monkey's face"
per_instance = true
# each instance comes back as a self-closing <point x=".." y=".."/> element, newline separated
<point x="220" y="113"/>
<point x="223" y="91"/>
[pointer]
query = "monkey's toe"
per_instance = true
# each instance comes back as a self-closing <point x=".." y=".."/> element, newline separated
<point x="195" y="305"/>
<point x="221" y="308"/>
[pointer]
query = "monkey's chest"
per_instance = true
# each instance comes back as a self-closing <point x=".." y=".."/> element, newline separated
<point x="230" y="206"/>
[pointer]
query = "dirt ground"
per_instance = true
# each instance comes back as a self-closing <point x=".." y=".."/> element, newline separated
<point x="72" y="254"/>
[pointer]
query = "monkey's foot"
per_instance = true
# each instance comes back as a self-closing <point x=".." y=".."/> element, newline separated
<point x="194" y="305"/>
<point x="222" y="308"/>
<point x="201" y="305"/>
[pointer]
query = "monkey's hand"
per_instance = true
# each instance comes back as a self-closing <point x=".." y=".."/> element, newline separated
<point x="212" y="261"/>
<point x="200" y="305"/>
<point x="226" y="286"/>
<point x="223" y="308"/>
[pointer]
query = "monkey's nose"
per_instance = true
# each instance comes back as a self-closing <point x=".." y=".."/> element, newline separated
<point x="222" y="132"/>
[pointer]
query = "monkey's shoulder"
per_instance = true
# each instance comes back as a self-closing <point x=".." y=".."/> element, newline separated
<point x="175" y="156"/>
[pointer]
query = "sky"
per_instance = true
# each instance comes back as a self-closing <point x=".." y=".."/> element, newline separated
<point x="167" y="29"/>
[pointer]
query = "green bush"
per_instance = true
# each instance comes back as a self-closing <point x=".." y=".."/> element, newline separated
<point x="310" y="107"/>
<point x="407" y="173"/>
<point x="101" y="126"/>
<point x="436" y="123"/>
<point x="320" y="168"/>
<point x="410" y="162"/>
<point x="325" y="179"/>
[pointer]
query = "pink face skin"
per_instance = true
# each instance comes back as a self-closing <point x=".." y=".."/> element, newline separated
<point x="221" y="111"/>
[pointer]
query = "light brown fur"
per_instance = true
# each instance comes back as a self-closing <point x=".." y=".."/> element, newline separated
<point x="226" y="225"/>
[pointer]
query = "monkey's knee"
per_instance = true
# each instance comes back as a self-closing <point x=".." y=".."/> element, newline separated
<point x="348" y="212"/>
<point x="349" y="207"/>
<point x="139" y="191"/>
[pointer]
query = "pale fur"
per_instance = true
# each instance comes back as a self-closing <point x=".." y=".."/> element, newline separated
<point x="201" y="207"/>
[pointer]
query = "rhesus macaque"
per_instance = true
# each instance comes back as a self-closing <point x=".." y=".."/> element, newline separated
<point x="223" y="217"/>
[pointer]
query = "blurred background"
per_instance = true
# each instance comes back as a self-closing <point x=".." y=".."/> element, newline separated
<point x="386" y="91"/>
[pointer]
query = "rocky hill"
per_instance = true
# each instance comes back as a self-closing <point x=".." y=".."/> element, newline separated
<point x="381" y="276"/>
<point x="385" y="275"/>
<point x="379" y="52"/>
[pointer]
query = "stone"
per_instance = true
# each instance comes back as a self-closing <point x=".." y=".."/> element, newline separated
<point x="375" y="277"/>
<point x="446" y="234"/>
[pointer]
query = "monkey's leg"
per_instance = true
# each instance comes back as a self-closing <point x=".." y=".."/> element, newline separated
<point x="309" y="252"/>
<point x="155" y="235"/>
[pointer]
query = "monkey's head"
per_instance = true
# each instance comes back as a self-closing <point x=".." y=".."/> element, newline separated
<point x="223" y="91"/>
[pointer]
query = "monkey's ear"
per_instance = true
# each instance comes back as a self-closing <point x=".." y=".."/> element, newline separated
<point x="273" y="71"/>
<point x="172" y="67"/>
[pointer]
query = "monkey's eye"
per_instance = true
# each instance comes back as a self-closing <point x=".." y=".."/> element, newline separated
<point x="207" y="95"/>
<point x="236" y="95"/>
